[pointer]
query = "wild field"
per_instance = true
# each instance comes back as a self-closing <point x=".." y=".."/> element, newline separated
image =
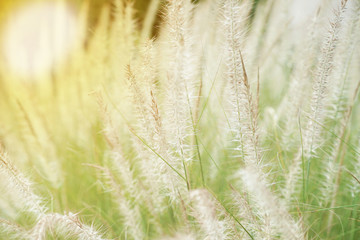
<point x="214" y="119"/>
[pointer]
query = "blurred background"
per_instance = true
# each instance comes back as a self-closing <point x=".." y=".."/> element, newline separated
<point x="9" y="7"/>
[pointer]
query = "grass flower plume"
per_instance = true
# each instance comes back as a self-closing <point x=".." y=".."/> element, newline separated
<point x="210" y="119"/>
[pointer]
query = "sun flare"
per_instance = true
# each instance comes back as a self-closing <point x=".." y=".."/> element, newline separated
<point x="37" y="37"/>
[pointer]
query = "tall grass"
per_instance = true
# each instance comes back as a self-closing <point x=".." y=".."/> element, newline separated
<point x="235" y="121"/>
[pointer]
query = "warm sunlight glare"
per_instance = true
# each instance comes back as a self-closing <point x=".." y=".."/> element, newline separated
<point x="37" y="37"/>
